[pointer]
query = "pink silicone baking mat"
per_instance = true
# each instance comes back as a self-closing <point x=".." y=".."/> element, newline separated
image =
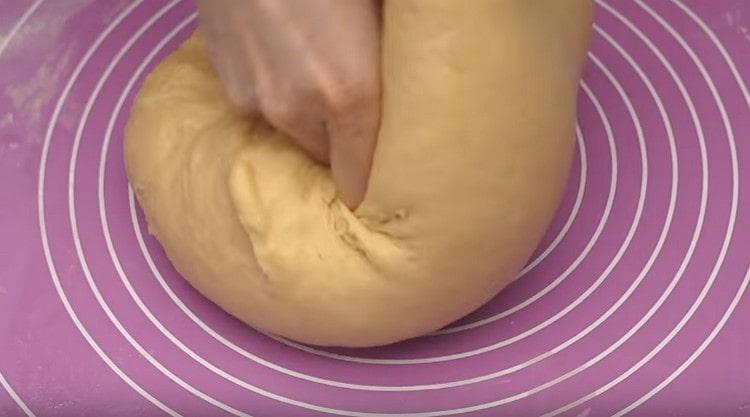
<point x="634" y="303"/>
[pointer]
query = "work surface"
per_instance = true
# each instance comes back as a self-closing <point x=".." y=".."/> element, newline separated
<point x="634" y="303"/>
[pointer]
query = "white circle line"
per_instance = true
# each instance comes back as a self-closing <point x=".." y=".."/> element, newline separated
<point x="704" y="193"/>
<point x="24" y="17"/>
<point x="74" y="221"/>
<point x="735" y="192"/>
<point x="643" y="145"/>
<point x="3" y="45"/>
<point x="43" y="226"/>
<point x="14" y="396"/>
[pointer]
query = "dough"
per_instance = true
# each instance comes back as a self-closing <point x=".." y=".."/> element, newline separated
<point x="476" y="142"/>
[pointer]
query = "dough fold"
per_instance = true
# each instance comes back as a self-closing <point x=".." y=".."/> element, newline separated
<point x="476" y="141"/>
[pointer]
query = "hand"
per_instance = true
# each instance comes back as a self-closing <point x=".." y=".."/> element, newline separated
<point x="311" y="68"/>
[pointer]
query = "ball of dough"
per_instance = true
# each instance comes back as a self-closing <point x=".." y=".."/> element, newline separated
<point x="476" y="141"/>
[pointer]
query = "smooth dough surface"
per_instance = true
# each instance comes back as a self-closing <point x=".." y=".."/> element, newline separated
<point x="475" y="146"/>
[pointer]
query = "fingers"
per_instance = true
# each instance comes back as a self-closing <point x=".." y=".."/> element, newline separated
<point x="311" y="69"/>
<point x="353" y="138"/>
<point x="229" y="59"/>
<point x="354" y="103"/>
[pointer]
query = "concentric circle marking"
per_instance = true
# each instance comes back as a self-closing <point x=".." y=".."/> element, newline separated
<point x="725" y="244"/>
<point x="13" y="395"/>
<point x="644" y="176"/>
<point x="746" y="281"/>
<point x="485" y="384"/>
<point x="72" y="164"/>
<point x="19" y="24"/>
<point x="42" y="222"/>
<point x="71" y="207"/>
<point x="614" y="176"/>
<point x="3" y="46"/>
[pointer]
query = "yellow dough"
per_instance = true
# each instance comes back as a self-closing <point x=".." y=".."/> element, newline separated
<point x="475" y="146"/>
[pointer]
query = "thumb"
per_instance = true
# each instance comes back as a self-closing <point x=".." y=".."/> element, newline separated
<point x="352" y="145"/>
